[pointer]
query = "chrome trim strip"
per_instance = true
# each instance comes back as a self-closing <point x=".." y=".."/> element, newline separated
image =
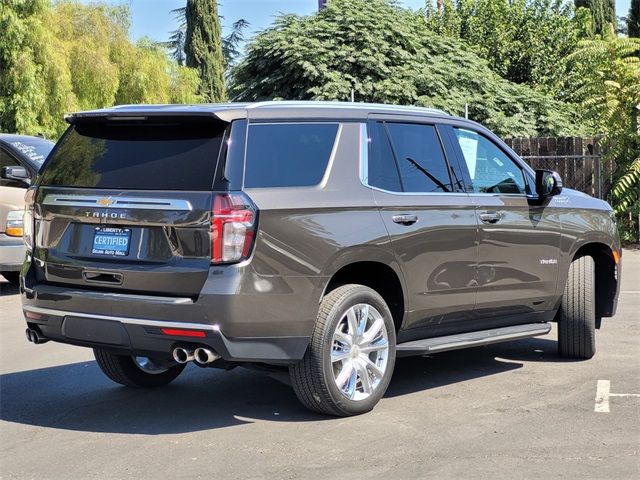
<point x="332" y="156"/>
<point x="512" y="333"/>
<point x="131" y="297"/>
<point x="126" y="320"/>
<point x="489" y="340"/>
<point x="138" y="203"/>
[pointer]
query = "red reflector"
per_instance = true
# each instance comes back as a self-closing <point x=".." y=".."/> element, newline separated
<point x="183" y="333"/>
<point x="33" y="315"/>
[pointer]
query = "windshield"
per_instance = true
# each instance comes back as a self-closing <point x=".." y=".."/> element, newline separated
<point x="34" y="150"/>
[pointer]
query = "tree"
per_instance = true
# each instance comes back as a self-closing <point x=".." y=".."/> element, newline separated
<point x="68" y="57"/>
<point x="21" y="84"/>
<point x="524" y="41"/>
<point x="230" y="44"/>
<point x="176" y="41"/>
<point x="603" y="12"/>
<point x="633" y="19"/>
<point x="388" y="54"/>
<point x="203" y="48"/>
<point x="609" y="96"/>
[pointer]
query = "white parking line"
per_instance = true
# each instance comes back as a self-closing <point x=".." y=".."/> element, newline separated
<point x="603" y="393"/>
<point x="602" y="396"/>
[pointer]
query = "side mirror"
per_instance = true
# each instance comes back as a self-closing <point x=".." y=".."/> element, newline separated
<point x="548" y="183"/>
<point x="16" y="173"/>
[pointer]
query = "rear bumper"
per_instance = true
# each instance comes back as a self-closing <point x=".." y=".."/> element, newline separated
<point x="12" y="252"/>
<point x="245" y="317"/>
<point x="144" y="337"/>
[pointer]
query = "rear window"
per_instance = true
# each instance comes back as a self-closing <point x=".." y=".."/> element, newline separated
<point x="147" y="157"/>
<point x="288" y="154"/>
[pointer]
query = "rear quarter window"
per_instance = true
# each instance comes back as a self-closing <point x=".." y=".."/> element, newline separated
<point x="288" y="154"/>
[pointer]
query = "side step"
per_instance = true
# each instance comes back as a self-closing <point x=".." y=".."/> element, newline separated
<point x="471" y="339"/>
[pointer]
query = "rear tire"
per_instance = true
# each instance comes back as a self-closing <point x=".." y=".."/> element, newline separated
<point x="346" y="374"/>
<point x="12" y="277"/>
<point x="577" y="316"/>
<point x="124" y="369"/>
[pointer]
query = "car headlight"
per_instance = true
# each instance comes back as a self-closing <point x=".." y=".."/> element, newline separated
<point x="14" y="227"/>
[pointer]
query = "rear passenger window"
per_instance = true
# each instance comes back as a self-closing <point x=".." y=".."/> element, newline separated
<point x="288" y="154"/>
<point x="382" y="170"/>
<point x="420" y="158"/>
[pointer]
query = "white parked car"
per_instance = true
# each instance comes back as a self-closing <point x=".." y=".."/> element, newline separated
<point x="21" y="157"/>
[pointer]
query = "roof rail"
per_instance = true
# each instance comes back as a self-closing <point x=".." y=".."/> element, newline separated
<point x="337" y="104"/>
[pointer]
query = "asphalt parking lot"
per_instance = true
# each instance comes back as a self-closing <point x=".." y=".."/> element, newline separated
<point x="506" y="411"/>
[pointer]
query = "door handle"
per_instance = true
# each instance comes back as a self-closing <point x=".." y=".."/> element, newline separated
<point x="490" y="217"/>
<point x="405" y="219"/>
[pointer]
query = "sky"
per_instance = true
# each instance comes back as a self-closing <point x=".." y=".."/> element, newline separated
<point x="151" y="18"/>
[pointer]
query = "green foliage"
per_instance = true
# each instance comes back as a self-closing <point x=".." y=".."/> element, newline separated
<point x="203" y="48"/>
<point x="176" y="41"/>
<point x="231" y="43"/>
<point x="524" y="41"/>
<point x="628" y="226"/>
<point x="603" y="13"/>
<point x="633" y="19"/>
<point x="609" y="95"/>
<point x="67" y="57"/>
<point x="21" y="86"/>
<point x="388" y="54"/>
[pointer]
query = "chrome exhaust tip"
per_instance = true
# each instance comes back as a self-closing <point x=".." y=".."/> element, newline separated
<point x="204" y="355"/>
<point x="35" y="337"/>
<point x="182" y="355"/>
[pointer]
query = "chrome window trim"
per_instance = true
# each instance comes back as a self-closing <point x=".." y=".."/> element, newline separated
<point x="130" y="203"/>
<point x="126" y="320"/>
<point x="364" y="171"/>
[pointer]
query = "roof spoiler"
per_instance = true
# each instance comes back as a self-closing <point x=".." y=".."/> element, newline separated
<point x="111" y="117"/>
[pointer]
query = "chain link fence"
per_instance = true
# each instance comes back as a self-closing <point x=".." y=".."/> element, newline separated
<point x="579" y="160"/>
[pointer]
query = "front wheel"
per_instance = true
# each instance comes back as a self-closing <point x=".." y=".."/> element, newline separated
<point x="135" y="371"/>
<point x="577" y="319"/>
<point x="348" y="365"/>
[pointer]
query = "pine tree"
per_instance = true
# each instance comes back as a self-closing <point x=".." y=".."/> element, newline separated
<point x="603" y="13"/>
<point x="633" y="20"/>
<point x="203" y="48"/>
<point x="610" y="17"/>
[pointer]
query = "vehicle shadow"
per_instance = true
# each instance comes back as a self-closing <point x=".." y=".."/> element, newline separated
<point x="423" y="373"/>
<point x="79" y="397"/>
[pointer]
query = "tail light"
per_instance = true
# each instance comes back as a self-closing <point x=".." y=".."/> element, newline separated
<point x="27" y="222"/>
<point x="233" y="225"/>
<point x="13" y="228"/>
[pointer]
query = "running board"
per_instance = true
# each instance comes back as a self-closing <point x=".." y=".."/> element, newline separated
<point x="471" y="339"/>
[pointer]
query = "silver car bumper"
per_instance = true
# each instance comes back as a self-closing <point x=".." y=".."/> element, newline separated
<point x="12" y="252"/>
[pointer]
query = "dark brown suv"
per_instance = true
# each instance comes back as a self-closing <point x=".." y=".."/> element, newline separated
<point x="326" y="238"/>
